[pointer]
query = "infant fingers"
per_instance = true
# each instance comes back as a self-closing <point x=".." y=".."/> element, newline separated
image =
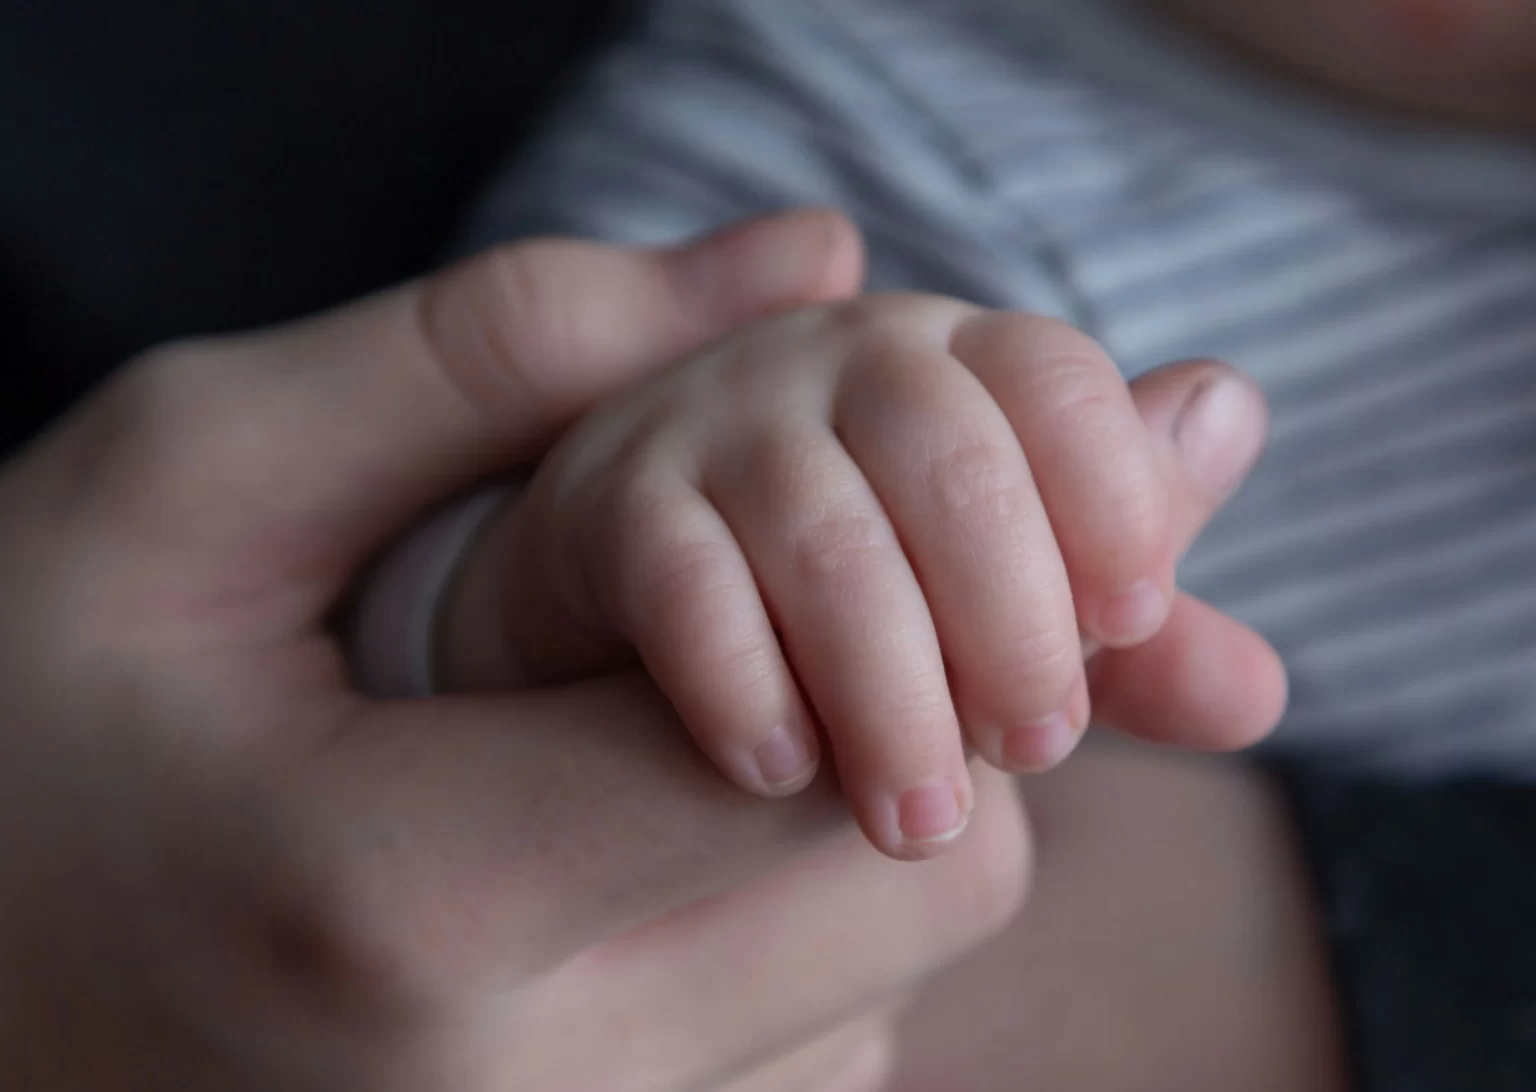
<point x="684" y="595"/>
<point x="1101" y="476"/>
<point x="857" y="631"/>
<point x="946" y="464"/>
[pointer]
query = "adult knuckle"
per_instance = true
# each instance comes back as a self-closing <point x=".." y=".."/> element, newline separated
<point x="327" y="947"/>
<point x="484" y="320"/>
<point x="880" y="316"/>
<point x="164" y="390"/>
<point x="172" y="431"/>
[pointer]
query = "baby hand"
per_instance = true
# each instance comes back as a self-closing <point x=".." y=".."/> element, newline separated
<point x="898" y="519"/>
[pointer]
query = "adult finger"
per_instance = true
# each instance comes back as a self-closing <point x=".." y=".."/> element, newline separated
<point x="1211" y="423"/>
<point x="833" y="933"/>
<point x="464" y="844"/>
<point x="430" y="838"/>
<point x="367" y="414"/>
<point x="859" y="1056"/>
<point x="1204" y="680"/>
<point x="1208" y="423"/>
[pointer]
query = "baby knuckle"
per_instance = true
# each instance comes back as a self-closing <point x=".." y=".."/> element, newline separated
<point x="860" y="317"/>
<point x="701" y="573"/>
<point x="884" y="315"/>
<point x="1051" y="351"/>
<point x="1139" y="525"/>
<point x="1047" y="339"/>
<point x="664" y="558"/>
<point x="979" y="480"/>
<point x="1045" y="660"/>
<point x="639" y="505"/>
<point x="835" y="548"/>
<point x="745" y="667"/>
<point x="1080" y="399"/>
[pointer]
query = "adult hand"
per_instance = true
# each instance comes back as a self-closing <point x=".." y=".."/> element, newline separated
<point x="225" y="869"/>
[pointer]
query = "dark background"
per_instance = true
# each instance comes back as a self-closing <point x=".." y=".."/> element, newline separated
<point x="175" y="167"/>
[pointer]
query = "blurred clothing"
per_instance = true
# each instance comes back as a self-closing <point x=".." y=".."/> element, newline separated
<point x="1084" y="159"/>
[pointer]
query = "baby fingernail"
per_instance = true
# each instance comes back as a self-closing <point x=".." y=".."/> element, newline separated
<point x="930" y="815"/>
<point x="783" y="761"/>
<point x="1041" y="746"/>
<point x="1135" y="614"/>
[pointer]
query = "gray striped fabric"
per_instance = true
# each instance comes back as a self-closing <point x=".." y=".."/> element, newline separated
<point x="1081" y="159"/>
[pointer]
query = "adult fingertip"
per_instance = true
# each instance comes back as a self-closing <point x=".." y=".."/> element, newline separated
<point x="768" y="264"/>
<point x="1220" y="430"/>
<point x="1206" y="682"/>
<point x="1270" y="691"/>
<point x="847" y="260"/>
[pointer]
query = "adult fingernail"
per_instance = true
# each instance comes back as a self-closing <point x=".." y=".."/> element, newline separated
<point x="784" y="762"/>
<point x="769" y="262"/>
<point x="1133" y="615"/>
<point x="1220" y="433"/>
<point x="930" y="816"/>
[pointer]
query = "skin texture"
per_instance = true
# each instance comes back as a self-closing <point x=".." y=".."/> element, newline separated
<point x="1467" y="62"/>
<point x="227" y="870"/>
<point x="883" y="520"/>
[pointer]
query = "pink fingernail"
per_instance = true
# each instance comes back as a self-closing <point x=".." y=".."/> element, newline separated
<point x="930" y="815"/>
<point x="1041" y="746"/>
<point x="783" y="761"/>
<point x="1133" y="615"/>
<point x="1221" y="432"/>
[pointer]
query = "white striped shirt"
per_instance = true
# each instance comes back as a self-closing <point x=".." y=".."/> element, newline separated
<point x="1082" y="159"/>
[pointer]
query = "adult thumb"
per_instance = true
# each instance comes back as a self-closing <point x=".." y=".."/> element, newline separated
<point x="1205" y="680"/>
<point x="1212" y="423"/>
<point x="366" y="415"/>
